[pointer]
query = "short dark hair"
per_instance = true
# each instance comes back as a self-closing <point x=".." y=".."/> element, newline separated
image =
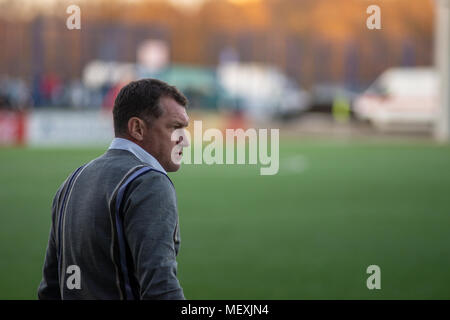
<point x="141" y="99"/>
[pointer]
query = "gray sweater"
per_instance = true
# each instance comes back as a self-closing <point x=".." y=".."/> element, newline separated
<point x="114" y="233"/>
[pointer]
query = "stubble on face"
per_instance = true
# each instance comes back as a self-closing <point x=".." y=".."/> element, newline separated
<point x="158" y="137"/>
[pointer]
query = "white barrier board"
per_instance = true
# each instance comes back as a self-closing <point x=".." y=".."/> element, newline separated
<point x="69" y="128"/>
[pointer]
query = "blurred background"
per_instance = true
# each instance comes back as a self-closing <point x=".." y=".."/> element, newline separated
<point x="364" y="123"/>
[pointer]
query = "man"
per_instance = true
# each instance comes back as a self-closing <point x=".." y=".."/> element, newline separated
<point x="115" y="231"/>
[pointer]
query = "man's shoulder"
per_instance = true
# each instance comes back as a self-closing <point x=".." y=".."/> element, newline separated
<point x="115" y="163"/>
<point x="119" y="157"/>
<point x="152" y="192"/>
<point x="107" y="169"/>
<point x="136" y="177"/>
<point x="153" y="180"/>
<point x="136" y="171"/>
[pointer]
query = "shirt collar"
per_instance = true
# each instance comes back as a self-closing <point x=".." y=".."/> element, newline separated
<point x="141" y="154"/>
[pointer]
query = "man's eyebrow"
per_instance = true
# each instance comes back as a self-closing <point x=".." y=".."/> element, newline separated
<point x="181" y="123"/>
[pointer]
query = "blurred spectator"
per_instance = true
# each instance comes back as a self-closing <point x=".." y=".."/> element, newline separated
<point x="50" y="87"/>
<point x="110" y="97"/>
<point x="14" y="93"/>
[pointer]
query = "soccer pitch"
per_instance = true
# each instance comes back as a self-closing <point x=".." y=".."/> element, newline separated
<point x="309" y="232"/>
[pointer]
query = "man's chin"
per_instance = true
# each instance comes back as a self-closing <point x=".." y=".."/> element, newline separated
<point x="173" y="167"/>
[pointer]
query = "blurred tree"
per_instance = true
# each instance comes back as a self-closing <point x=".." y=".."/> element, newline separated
<point x="288" y="34"/>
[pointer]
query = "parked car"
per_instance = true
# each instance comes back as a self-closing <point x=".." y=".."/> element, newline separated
<point x="324" y="96"/>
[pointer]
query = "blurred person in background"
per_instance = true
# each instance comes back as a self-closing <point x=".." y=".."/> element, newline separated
<point x="115" y="232"/>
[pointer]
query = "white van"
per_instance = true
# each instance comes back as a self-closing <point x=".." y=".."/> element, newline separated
<point x="263" y="91"/>
<point x="401" y="98"/>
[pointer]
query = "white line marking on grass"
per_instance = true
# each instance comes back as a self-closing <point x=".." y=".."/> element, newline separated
<point x="294" y="164"/>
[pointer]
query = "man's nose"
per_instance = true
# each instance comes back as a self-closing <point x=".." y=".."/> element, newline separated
<point x="184" y="141"/>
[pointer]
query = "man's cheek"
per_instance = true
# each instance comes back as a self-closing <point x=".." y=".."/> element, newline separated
<point x="175" y="155"/>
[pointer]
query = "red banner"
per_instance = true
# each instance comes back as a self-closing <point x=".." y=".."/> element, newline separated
<point x="12" y="127"/>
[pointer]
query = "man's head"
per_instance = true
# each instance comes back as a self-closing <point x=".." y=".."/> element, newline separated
<point x="150" y="113"/>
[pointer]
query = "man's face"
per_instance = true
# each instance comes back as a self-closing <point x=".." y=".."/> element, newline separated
<point x="165" y="137"/>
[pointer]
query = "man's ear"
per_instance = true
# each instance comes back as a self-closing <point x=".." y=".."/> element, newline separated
<point x="136" y="128"/>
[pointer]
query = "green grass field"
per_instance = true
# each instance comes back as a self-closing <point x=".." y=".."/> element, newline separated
<point x="309" y="232"/>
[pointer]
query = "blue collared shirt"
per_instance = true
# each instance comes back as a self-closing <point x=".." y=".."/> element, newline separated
<point x="141" y="154"/>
